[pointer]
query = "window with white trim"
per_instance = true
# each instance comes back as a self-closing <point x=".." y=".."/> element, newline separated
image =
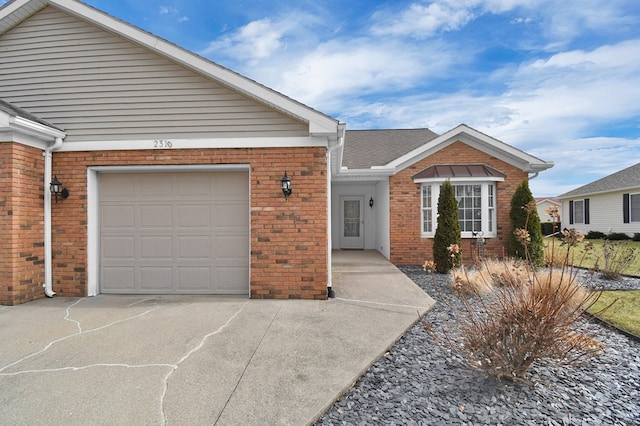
<point x="476" y="207"/>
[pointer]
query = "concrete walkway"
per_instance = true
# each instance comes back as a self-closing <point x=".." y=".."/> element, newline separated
<point x="194" y="360"/>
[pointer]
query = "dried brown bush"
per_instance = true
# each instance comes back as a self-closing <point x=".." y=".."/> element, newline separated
<point x="530" y="315"/>
<point x="504" y="332"/>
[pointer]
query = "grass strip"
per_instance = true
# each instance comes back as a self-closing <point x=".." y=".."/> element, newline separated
<point x="624" y="312"/>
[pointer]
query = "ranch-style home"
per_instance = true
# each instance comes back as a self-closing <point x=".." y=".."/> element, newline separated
<point x="131" y="166"/>
<point x="610" y="204"/>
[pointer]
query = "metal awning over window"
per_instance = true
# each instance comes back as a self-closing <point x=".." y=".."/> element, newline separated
<point x="444" y="171"/>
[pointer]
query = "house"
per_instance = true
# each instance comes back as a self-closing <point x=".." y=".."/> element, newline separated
<point x="131" y="166"/>
<point x="543" y="206"/>
<point x="610" y="204"/>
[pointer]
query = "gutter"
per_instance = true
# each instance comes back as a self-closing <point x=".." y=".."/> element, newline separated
<point x="341" y="136"/>
<point x="48" y="275"/>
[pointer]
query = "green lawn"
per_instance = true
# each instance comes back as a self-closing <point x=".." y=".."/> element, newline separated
<point x="623" y="313"/>
<point x="580" y="257"/>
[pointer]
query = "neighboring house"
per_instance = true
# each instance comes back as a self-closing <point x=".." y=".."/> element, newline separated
<point x="610" y="204"/>
<point x="170" y="170"/>
<point x="544" y="204"/>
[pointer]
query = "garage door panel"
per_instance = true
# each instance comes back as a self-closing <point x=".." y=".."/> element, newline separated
<point x="118" y="217"/>
<point x="228" y="276"/>
<point x="156" y="216"/>
<point x="194" y="247"/>
<point x="118" y="247"/>
<point x="154" y="185"/>
<point x="231" y="215"/>
<point x="121" y="278"/>
<point x="156" y="247"/>
<point x="175" y="233"/>
<point x="120" y="187"/>
<point x="194" y="185"/>
<point x="194" y="216"/>
<point x="194" y="279"/>
<point x="231" y="187"/>
<point x="232" y="247"/>
<point x="155" y="278"/>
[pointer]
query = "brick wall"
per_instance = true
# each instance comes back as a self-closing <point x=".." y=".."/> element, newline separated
<point x="407" y="246"/>
<point x="288" y="238"/>
<point x="21" y="224"/>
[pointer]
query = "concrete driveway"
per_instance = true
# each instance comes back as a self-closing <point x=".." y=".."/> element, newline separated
<point x="200" y="360"/>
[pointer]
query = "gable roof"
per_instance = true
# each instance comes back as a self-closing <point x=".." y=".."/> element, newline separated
<point x="363" y="157"/>
<point x="16" y="11"/>
<point x="551" y="200"/>
<point x="628" y="178"/>
<point x="364" y="149"/>
<point x="478" y="140"/>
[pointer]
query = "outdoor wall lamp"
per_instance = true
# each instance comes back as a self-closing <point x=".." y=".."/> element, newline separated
<point x="371" y="202"/>
<point x="57" y="190"/>
<point x="285" y="183"/>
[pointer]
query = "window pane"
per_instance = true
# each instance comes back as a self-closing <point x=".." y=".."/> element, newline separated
<point x="469" y="207"/>
<point x="427" y="210"/>
<point x="634" y="206"/>
<point x="578" y="211"/>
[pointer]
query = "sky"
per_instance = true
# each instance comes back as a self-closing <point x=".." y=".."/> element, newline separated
<point x="559" y="80"/>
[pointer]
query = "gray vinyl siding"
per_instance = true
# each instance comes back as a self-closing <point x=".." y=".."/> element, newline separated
<point x="98" y="86"/>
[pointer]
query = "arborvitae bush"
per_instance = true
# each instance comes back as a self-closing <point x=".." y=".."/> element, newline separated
<point x="524" y="216"/>
<point x="447" y="239"/>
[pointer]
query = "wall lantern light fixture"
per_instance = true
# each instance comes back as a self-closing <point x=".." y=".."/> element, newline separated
<point x="57" y="190"/>
<point x="285" y="183"/>
<point x="371" y="202"/>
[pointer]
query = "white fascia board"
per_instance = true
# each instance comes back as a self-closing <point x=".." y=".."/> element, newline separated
<point x="319" y="124"/>
<point x="478" y="140"/>
<point x="172" y="144"/>
<point x="36" y="129"/>
<point x="355" y="175"/>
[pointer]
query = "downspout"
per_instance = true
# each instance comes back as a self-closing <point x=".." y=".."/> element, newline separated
<point x="535" y="175"/>
<point x="341" y="135"/>
<point x="48" y="275"/>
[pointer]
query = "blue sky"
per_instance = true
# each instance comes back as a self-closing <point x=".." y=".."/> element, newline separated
<point x="557" y="79"/>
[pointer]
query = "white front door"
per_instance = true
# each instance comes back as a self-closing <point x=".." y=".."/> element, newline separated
<point x="351" y="214"/>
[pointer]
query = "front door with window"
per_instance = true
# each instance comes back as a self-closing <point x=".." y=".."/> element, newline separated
<point x="351" y="214"/>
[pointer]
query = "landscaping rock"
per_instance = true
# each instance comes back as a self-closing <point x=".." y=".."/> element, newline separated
<point x="421" y="383"/>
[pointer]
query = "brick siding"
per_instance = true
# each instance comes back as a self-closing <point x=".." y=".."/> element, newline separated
<point x="21" y="224"/>
<point x="407" y="245"/>
<point x="288" y="238"/>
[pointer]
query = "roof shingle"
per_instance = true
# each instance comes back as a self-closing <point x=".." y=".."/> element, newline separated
<point x="366" y="148"/>
<point x="626" y="178"/>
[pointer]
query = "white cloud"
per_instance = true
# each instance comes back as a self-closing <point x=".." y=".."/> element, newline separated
<point x="424" y="20"/>
<point x="261" y="39"/>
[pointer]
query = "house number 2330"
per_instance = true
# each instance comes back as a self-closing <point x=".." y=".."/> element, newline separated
<point x="162" y="143"/>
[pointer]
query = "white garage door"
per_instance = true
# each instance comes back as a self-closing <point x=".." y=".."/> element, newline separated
<point x="174" y="233"/>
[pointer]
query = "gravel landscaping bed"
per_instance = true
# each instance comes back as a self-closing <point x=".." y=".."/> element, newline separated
<point x="420" y="383"/>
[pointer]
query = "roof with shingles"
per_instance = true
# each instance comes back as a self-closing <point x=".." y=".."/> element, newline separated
<point x="364" y="149"/>
<point x="624" y="179"/>
<point x="16" y="111"/>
